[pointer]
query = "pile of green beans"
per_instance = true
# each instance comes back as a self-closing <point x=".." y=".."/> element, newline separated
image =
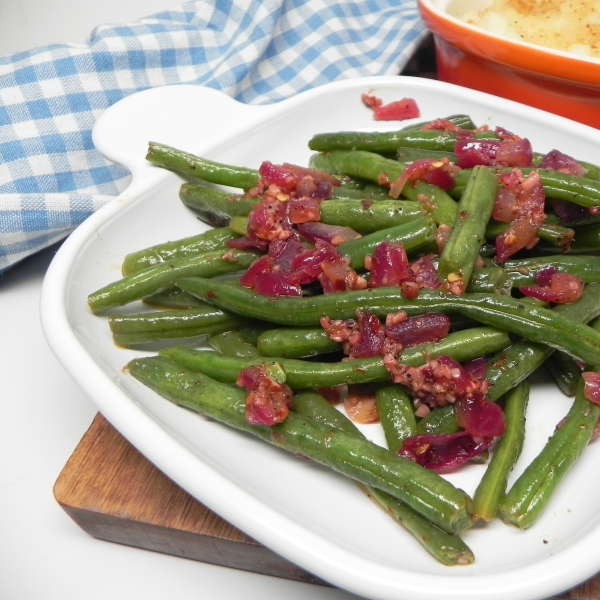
<point x="189" y="290"/>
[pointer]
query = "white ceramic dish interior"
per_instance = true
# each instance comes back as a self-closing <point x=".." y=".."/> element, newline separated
<point x="306" y="513"/>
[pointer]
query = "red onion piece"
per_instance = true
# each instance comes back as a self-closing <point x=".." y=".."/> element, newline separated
<point x="480" y="417"/>
<point x="309" y="261"/>
<point x="591" y="388"/>
<point x="276" y="283"/>
<point x="558" y="161"/>
<point x="476" y="152"/>
<point x="444" y="452"/>
<point x="389" y="265"/>
<point x="370" y="338"/>
<point x="420" y="329"/>
<point x="332" y="234"/>
<point x="397" y="111"/>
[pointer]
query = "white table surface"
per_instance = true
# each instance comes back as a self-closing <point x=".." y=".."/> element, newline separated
<point x="43" y="415"/>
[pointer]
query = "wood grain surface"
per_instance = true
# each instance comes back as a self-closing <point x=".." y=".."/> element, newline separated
<point x="113" y="493"/>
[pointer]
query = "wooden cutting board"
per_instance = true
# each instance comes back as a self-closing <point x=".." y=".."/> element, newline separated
<point x="113" y="493"/>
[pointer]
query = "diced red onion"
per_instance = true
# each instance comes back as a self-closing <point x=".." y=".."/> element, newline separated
<point x="591" y="388"/>
<point x="389" y="265"/>
<point x="558" y="161"/>
<point x="397" y="111"/>
<point x="443" y="453"/>
<point x="332" y="234"/>
<point x="420" y="329"/>
<point x="480" y="417"/>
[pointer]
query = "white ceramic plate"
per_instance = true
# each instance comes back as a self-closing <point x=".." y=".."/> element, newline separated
<point x="306" y="513"/>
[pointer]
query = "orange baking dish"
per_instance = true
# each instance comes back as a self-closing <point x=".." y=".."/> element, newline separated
<point x="555" y="81"/>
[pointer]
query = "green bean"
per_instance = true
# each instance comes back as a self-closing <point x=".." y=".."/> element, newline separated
<point x="386" y="141"/>
<point x="296" y="342"/>
<point x="300" y="374"/>
<point x="522" y="271"/>
<point x="397" y="415"/>
<point x="339" y="193"/>
<point x="509" y="314"/>
<point x="565" y="372"/>
<point x="468" y="233"/>
<point x="531" y="492"/>
<point x="173" y="298"/>
<point x="492" y="280"/>
<point x="407" y="156"/>
<point x="358" y="163"/>
<point x="513" y="365"/>
<point x="366" y="216"/>
<point x="143" y="328"/>
<point x="215" y="207"/>
<point x="440" y="420"/>
<point x="200" y="168"/>
<point x="447" y="548"/>
<point x="492" y="486"/>
<point x="414" y="235"/>
<point x="424" y="491"/>
<point x="313" y="407"/>
<point x="162" y="276"/>
<point x="442" y="206"/>
<point x="580" y="190"/>
<point x="213" y="239"/>
<point x="230" y="343"/>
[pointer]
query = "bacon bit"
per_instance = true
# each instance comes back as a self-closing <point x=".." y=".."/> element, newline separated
<point x="439" y="382"/>
<point x="563" y="288"/>
<point x="409" y="290"/>
<point x="268" y="401"/>
<point x="443" y="453"/>
<point x="591" y="388"/>
<point x="399" y="110"/>
<point x="521" y="200"/>
<point x="395" y="318"/>
<point x="371" y="101"/>
<point x="339" y="330"/>
<point x="304" y="209"/>
<point x="229" y="256"/>
<point x="340" y="277"/>
<point x="440" y="125"/>
<point x="287" y="178"/>
<point x="360" y="404"/>
<point x="269" y="220"/>
<point x="442" y="235"/>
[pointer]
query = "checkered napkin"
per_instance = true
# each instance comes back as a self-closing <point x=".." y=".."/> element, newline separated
<point x="258" y="51"/>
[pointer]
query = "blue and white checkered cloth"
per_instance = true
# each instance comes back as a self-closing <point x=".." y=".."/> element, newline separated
<point x="258" y="51"/>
